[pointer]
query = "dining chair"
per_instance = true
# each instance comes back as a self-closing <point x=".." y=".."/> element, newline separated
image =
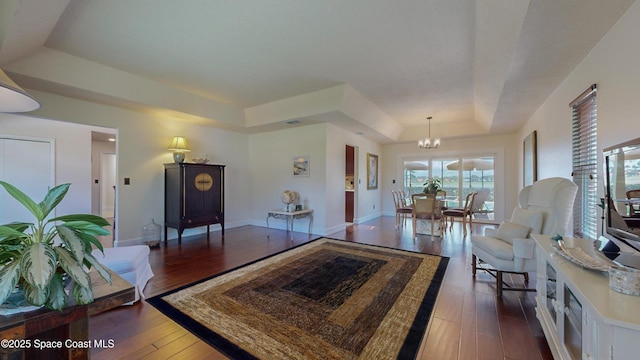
<point x="462" y="213"/>
<point x="403" y="211"/>
<point x="424" y="208"/>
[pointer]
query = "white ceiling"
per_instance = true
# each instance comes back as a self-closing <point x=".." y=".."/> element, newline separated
<point x="477" y="67"/>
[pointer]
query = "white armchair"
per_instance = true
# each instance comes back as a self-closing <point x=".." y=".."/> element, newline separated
<point x="544" y="208"/>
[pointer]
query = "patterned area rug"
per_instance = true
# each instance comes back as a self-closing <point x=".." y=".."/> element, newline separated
<point x="327" y="299"/>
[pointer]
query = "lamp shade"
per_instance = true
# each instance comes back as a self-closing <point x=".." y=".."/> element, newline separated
<point x="179" y="143"/>
<point x="13" y="98"/>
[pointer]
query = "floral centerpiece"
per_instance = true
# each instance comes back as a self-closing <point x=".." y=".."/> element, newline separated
<point x="432" y="186"/>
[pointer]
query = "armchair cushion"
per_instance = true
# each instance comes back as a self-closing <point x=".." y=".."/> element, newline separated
<point x="529" y="218"/>
<point x="507" y="231"/>
<point x="490" y="232"/>
<point x="500" y="249"/>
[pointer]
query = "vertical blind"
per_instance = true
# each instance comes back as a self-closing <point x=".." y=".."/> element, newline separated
<point x="584" y="161"/>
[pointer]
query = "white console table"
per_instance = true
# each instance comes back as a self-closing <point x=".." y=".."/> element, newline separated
<point x="291" y="215"/>
<point x="581" y="316"/>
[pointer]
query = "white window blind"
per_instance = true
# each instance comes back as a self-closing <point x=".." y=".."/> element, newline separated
<point x="584" y="160"/>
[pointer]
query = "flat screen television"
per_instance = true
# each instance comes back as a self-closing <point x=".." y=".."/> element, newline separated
<point x="622" y="209"/>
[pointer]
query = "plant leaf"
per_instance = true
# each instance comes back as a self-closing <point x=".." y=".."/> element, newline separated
<point x="36" y="296"/>
<point x="82" y="295"/>
<point x="38" y="265"/>
<point x="88" y="239"/>
<point x="9" y="232"/>
<point x="96" y="265"/>
<point x="53" y="198"/>
<point x="71" y="240"/>
<point x="24" y="200"/>
<point x="87" y="228"/>
<point x="94" y="219"/>
<point x="72" y="267"/>
<point x="18" y="226"/>
<point x="9" y="254"/>
<point x="57" y="298"/>
<point x="9" y="276"/>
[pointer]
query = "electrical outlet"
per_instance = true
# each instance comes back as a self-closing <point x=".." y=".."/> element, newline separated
<point x="127" y="181"/>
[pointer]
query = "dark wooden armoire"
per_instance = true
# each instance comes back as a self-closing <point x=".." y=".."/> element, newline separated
<point x="193" y="196"/>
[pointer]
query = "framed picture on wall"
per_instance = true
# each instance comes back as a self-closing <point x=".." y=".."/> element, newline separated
<point x="301" y="166"/>
<point x="530" y="161"/>
<point x="372" y="171"/>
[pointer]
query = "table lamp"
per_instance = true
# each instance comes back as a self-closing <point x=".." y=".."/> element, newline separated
<point x="179" y="146"/>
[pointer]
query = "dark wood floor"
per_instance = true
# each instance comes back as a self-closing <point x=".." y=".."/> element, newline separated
<point x="469" y="321"/>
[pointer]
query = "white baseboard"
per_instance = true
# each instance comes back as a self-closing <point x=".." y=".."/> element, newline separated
<point x="301" y="226"/>
<point x="334" y="229"/>
<point x="367" y="218"/>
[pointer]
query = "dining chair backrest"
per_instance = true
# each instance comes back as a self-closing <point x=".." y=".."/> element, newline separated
<point x="402" y="196"/>
<point x="395" y="198"/>
<point x="398" y="199"/>
<point x="441" y="194"/>
<point x="423" y="204"/>
<point x="468" y="202"/>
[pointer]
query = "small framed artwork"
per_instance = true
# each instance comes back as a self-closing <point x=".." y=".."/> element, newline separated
<point x="372" y="171"/>
<point x="530" y="160"/>
<point x="301" y="166"/>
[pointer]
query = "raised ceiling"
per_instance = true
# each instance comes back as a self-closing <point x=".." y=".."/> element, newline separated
<point x="376" y="67"/>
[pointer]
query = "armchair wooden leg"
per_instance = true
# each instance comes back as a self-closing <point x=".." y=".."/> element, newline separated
<point x="526" y="277"/>
<point x="473" y="264"/>
<point x="499" y="283"/>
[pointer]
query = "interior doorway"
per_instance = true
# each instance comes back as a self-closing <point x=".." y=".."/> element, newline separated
<point x="104" y="162"/>
<point x="107" y="185"/>
<point x="349" y="188"/>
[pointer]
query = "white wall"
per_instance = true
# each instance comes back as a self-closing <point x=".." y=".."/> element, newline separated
<point x="503" y="147"/>
<point x="271" y="156"/>
<point x="613" y="66"/>
<point x="271" y="162"/>
<point x="142" y="151"/>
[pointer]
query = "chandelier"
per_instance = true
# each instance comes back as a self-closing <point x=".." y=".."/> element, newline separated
<point x="427" y="143"/>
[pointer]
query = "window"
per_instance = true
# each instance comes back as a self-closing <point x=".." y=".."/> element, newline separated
<point x="459" y="176"/>
<point x="584" y="161"/>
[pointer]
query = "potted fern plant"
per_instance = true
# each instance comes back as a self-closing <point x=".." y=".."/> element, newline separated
<point x="40" y="257"/>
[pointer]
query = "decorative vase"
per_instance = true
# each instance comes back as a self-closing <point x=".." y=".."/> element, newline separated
<point x="151" y="234"/>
